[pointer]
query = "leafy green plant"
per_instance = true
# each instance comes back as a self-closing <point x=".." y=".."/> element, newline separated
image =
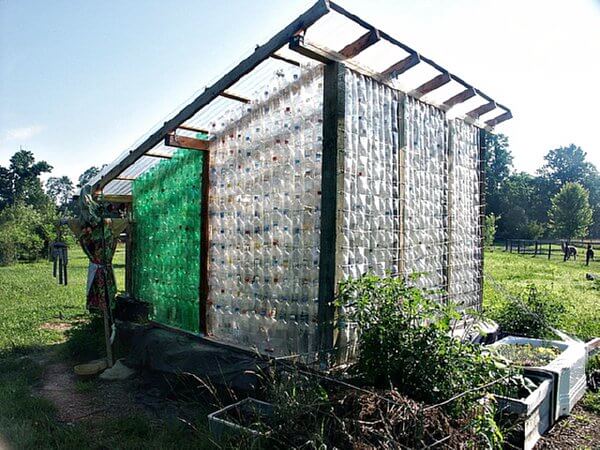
<point x="491" y="226"/>
<point x="406" y="341"/>
<point x="534" y="313"/>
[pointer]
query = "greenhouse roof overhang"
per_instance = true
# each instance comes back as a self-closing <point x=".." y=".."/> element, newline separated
<point x="326" y="32"/>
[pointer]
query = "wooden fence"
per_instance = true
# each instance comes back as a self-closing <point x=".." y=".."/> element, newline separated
<point x="546" y="247"/>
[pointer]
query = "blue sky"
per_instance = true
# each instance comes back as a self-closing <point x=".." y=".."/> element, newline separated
<point x="80" y="81"/>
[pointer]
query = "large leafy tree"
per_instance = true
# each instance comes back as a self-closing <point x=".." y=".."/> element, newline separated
<point x="567" y="164"/>
<point x="570" y="214"/>
<point x="59" y="189"/>
<point x="88" y="175"/>
<point x="498" y="165"/>
<point x="21" y="181"/>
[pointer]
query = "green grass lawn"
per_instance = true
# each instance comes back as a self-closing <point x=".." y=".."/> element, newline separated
<point x="564" y="280"/>
<point x="33" y="306"/>
<point x="31" y="300"/>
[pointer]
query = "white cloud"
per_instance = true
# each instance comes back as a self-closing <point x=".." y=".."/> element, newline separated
<point x="22" y="133"/>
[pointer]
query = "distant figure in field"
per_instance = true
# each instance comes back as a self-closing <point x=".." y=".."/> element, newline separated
<point x="589" y="255"/>
<point x="569" y="250"/>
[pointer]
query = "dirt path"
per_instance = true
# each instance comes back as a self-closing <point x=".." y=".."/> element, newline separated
<point x="59" y="386"/>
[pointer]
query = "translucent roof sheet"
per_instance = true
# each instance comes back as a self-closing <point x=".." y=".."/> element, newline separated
<point x="331" y="29"/>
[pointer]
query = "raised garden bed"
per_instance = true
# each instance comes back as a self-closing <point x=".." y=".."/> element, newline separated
<point x="243" y="417"/>
<point x="568" y="365"/>
<point x="534" y="412"/>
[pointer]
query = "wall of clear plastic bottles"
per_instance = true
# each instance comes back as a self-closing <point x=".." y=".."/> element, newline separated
<point x="392" y="225"/>
<point x="466" y="250"/>
<point x="166" y="238"/>
<point x="425" y="194"/>
<point x="264" y="216"/>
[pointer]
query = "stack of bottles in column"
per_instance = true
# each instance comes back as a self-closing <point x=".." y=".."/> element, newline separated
<point x="465" y="246"/>
<point x="166" y="207"/>
<point x="426" y="196"/>
<point x="264" y="213"/>
<point x="369" y="232"/>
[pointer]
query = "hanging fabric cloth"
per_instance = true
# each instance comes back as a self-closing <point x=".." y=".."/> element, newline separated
<point x="98" y="238"/>
<point x="60" y="258"/>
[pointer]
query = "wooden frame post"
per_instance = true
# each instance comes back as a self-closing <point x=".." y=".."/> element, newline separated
<point x="402" y="143"/>
<point x="204" y="244"/>
<point x="449" y="205"/>
<point x="482" y="158"/>
<point x="334" y="97"/>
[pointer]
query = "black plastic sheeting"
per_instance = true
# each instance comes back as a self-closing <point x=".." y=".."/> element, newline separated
<point x="172" y="353"/>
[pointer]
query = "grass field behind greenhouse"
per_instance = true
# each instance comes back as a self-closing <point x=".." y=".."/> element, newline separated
<point x="566" y="281"/>
<point x="33" y="304"/>
<point x="36" y="313"/>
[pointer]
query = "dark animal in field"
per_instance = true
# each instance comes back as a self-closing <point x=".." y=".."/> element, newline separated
<point x="589" y="255"/>
<point x="569" y="251"/>
<point x="592" y="277"/>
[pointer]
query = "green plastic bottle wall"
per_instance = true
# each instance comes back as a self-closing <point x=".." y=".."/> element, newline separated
<point x="166" y="208"/>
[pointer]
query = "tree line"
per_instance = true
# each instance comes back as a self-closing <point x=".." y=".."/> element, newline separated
<point x="30" y="209"/>
<point x="561" y="200"/>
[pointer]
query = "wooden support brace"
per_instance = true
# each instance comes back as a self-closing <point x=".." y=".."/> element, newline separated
<point x="501" y="118"/>
<point x="432" y="85"/>
<point x="175" y="140"/>
<point x="117" y="198"/>
<point x="204" y="244"/>
<point x="297" y="44"/>
<point x="461" y="97"/>
<point x="334" y="98"/>
<point x="401" y="66"/>
<point x="284" y="59"/>
<point x="235" y="97"/>
<point x="157" y="155"/>
<point x="361" y="44"/>
<point x="193" y="129"/>
<point x="481" y="110"/>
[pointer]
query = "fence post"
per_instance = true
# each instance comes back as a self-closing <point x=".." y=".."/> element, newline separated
<point x="536" y="249"/>
<point x="549" y="250"/>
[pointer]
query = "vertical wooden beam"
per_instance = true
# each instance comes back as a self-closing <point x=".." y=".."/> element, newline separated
<point x="334" y="97"/>
<point x="482" y="157"/>
<point x="128" y="260"/>
<point x="204" y="244"/>
<point x="402" y="140"/>
<point x="449" y="207"/>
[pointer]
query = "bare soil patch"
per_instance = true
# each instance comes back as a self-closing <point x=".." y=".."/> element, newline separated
<point x="581" y="430"/>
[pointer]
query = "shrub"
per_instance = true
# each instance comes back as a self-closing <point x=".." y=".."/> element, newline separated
<point x="8" y="253"/>
<point x="406" y="341"/>
<point x="491" y="226"/>
<point x="533" y="313"/>
<point x="25" y="232"/>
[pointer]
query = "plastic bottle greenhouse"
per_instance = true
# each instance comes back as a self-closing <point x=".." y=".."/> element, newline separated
<point x="309" y="163"/>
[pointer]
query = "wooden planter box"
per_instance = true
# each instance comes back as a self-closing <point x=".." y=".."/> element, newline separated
<point x="221" y="423"/>
<point x="535" y="413"/>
